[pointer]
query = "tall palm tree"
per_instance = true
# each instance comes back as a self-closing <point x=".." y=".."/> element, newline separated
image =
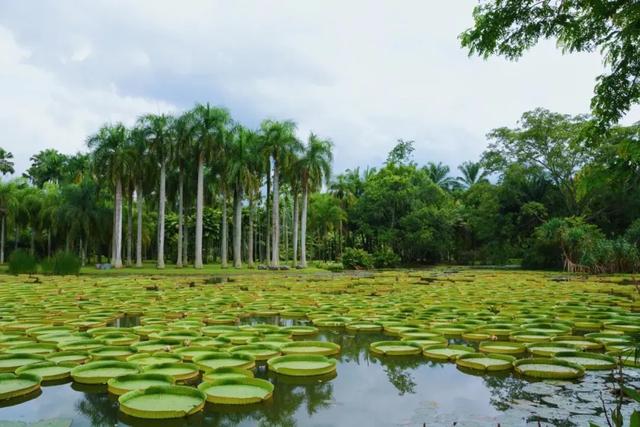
<point x="139" y="170"/>
<point x="157" y="128"/>
<point x="315" y="168"/>
<point x="210" y="125"/>
<point x="6" y="162"/>
<point x="183" y="131"/>
<point x="439" y="174"/>
<point x="472" y="173"/>
<point x="8" y="202"/>
<point x="240" y="175"/>
<point x="280" y="143"/>
<point x="111" y="157"/>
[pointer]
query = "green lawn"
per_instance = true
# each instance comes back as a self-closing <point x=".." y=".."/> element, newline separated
<point x="149" y="268"/>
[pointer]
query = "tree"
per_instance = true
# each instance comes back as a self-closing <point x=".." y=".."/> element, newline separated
<point x="551" y="141"/>
<point x="401" y="153"/>
<point x="157" y="130"/>
<point x="211" y="123"/>
<point x="240" y="175"/>
<point x="280" y="143"/>
<point x="510" y="27"/>
<point x="47" y="166"/>
<point x="439" y="174"/>
<point x="314" y="168"/>
<point x="6" y="162"/>
<point x="8" y="202"/>
<point x="472" y="173"/>
<point x="141" y="173"/>
<point x="111" y="157"/>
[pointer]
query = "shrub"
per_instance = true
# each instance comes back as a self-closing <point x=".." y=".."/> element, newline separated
<point x="62" y="264"/>
<point x="335" y="267"/>
<point x="356" y="259"/>
<point x="21" y="262"/>
<point x="385" y="258"/>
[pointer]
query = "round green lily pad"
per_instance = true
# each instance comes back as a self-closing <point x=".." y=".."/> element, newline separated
<point x="486" y="362"/>
<point x="111" y="352"/>
<point x="225" y="373"/>
<point x="147" y="359"/>
<point x="11" y="362"/>
<point x="221" y="359"/>
<point x="102" y="371"/>
<point x="590" y="361"/>
<point x="48" y="371"/>
<point x="75" y="357"/>
<point x="302" y="365"/>
<point x="502" y="347"/>
<point x="162" y="402"/>
<point x="300" y="330"/>
<point x="14" y="385"/>
<point x="551" y="368"/>
<point x="549" y="349"/>
<point x="442" y="352"/>
<point x="127" y="383"/>
<point x="237" y="391"/>
<point x="188" y="353"/>
<point x="178" y="371"/>
<point x="35" y="348"/>
<point x="322" y="348"/>
<point x="395" y="348"/>
<point x="260" y="352"/>
<point x="363" y="327"/>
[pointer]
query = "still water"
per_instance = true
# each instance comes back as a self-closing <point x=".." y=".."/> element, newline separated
<point x="367" y="391"/>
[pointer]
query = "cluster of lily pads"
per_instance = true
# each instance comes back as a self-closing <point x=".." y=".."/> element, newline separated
<point x="193" y="343"/>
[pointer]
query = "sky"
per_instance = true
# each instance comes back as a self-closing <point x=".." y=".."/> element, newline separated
<point x="362" y="73"/>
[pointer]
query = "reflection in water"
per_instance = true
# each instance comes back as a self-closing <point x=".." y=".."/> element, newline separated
<point x="368" y="390"/>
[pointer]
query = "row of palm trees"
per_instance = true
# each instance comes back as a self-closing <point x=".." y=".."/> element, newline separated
<point x="239" y="163"/>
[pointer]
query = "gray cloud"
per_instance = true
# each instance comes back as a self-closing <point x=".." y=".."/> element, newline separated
<point x="362" y="73"/>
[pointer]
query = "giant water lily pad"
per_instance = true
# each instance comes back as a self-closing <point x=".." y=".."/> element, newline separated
<point x="590" y="361"/>
<point x="260" y="352"/>
<point x="502" y="347"/>
<point x="548" y="368"/>
<point x="322" y="348"/>
<point x="75" y="357"/>
<point x="302" y="365"/>
<point x="210" y="361"/>
<point x="226" y="373"/>
<point x="48" y="371"/>
<point x="395" y="348"/>
<point x="442" y="352"/>
<point x="11" y="362"/>
<point x="126" y="383"/>
<point x="549" y="349"/>
<point x="147" y="359"/>
<point x="111" y="352"/>
<point x="486" y="362"/>
<point x="178" y="371"/>
<point x="237" y="391"/>
<point x="101" y="372"/>
<point x="162" y="402"/>
<point x="15" y="385"/>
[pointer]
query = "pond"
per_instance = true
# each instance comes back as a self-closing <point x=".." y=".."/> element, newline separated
<point x="366" y="389"/>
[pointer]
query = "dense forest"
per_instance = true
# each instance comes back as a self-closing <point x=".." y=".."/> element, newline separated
<point x="553" y="191"/>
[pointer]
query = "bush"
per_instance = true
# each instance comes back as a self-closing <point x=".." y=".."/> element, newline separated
<point x="385" y="258"/>
<point x="62" y="264"/>
<point x="21" y="262"/>
<point x="356" y="259"/>
<point x="335" y="267"/>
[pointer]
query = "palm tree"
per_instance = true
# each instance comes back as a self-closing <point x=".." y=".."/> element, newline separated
<point x="183" y="131"/>
<point x="439" y="174"/>
<point x="472" y="173"/>
<point x="139" y="171"/>
<point x="279" y="143"/>
<point x="241" y="174"/>
<point x="157" y="128"/>
<point x="210" y="123"/>
<point x="6" y="162"/>
<point x="111" y="157"/>
<point x="79" y="210"/>
<point x="315" y="168"/>
<point x="8" y="201"/>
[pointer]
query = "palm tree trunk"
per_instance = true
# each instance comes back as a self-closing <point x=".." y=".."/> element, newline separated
<point x="285" y="231"/>
<point x="303" y="227"/>
<point x="2" y="238"/>
<point x="199" y="210"/>
<point x="118" y="231"/>
<point x="180" y="216"/>
<point x="161" y="203"/>
<point x="140" y="201"/>
<point x="295" y="229"/>
<point x="129" y="230"/>
<point x="113" y="234"/>
<point x="249" y="233"/>
<point x="185" y="246"/>
<point x="224" y="250"/>
<point x="49" y="243"/>
<point x="275" y="217"/>
<point x="268" y="219"/>
<point x="237" y="227"/>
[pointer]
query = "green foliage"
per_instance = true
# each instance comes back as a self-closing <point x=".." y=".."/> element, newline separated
<point x="62" y="264"/>
<point x="511" y="27"/>
<point x="335" y="267"/>
<point x="22" y="262"/>
<point x="356" y="259"/>
<point x="385" y="258"/>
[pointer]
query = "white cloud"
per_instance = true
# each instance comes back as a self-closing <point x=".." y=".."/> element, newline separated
<point x="362" y="73"/>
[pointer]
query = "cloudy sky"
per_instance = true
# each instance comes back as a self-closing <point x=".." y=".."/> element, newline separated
<point x="363" y="73"/>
